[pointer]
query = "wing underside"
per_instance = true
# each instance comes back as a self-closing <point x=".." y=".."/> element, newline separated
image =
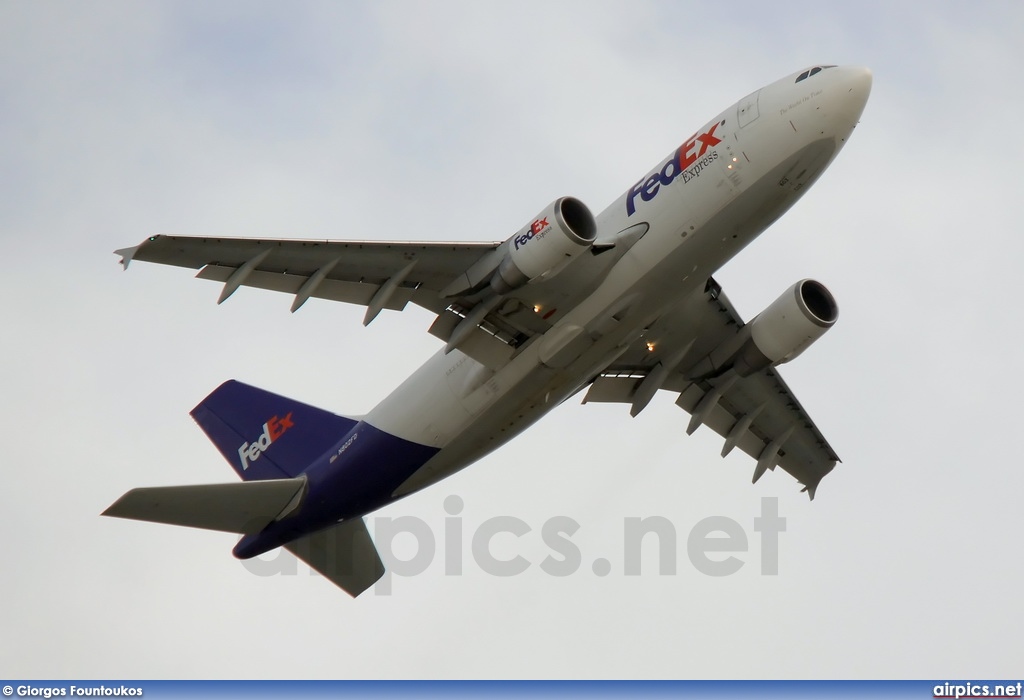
<point x="757" y="414"/>
<point x="349" y="271"/>
<point x="388" y="275"/>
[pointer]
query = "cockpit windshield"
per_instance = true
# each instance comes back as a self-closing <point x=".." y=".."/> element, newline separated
<point x="813" y="71"/>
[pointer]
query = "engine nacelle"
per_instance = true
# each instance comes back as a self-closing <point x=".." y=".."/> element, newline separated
<point x="562" y="231"/>
<point x="787" y="327"/>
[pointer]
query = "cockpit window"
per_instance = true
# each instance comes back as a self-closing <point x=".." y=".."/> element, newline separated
<point x="813" y="71"/>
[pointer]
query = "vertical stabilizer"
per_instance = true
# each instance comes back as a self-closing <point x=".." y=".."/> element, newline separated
<point x="266" y="436"/>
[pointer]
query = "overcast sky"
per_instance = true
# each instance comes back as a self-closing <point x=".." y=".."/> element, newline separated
<point x="403" y="120"/>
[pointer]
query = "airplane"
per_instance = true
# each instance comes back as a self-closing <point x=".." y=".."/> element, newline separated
<point x="623" y="304"/>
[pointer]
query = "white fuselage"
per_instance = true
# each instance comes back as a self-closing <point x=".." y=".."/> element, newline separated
<point x="703" y="203"/>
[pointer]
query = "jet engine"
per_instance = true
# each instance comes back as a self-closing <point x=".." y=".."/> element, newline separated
<point x="787" y="327"/>
<point x="557" y="235"/>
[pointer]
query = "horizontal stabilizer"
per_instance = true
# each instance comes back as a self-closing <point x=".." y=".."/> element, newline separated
<point x="344" y="554"/>
<point x="244" y="507"/>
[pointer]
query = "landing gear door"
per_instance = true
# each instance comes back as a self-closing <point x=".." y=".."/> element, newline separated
<point x="746" y="110"/>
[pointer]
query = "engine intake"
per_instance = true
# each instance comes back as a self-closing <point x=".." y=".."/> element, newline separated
<point x="539" y="250"/>
<point x="787" y="327"/>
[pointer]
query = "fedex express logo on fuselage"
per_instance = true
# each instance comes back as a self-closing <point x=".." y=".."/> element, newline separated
<point x="688" y="161"/>
<point x="536" y="228"/>
<point x="272" y="430"/>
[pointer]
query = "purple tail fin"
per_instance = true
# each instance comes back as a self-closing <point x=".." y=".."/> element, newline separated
<point x="266" y="436"/>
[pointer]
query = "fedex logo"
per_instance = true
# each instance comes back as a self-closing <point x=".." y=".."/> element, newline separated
<point x="272" y="430"/>
<point x="536" y="227"/>
<point x="681" y="162"/>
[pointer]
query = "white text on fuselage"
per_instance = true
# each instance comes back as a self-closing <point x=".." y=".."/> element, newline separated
<point x="348" y="444"/>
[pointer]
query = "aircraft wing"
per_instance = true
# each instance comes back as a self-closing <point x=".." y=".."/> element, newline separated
<point x="444" y="278"/>
<point x="759" y="414"/>
<point x="376" y="274"/>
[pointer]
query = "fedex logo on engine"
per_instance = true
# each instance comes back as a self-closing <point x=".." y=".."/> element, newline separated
<point x="272" y="430"/>
<point x="537" y="227"/>
<point x="688" y="161"/>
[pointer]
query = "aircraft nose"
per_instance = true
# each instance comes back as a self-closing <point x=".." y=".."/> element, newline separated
<point x="854" y="88"/>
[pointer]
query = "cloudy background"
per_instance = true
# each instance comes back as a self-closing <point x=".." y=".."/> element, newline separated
<point x="403" y="120"/>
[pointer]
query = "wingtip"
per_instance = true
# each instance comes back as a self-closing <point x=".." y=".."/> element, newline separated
<point x="113" y="508"/>
<point x="809" y="490"/>
<point x="126" y="255"/>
